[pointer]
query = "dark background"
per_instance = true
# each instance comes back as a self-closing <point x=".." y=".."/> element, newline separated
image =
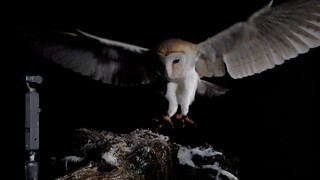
<point x="268" y="121"/>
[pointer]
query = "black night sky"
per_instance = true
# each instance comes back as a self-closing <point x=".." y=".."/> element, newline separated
<point x="268" y="121"/>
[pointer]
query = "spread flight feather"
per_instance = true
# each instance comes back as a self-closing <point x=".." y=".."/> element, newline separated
<point x="268" y="38"/>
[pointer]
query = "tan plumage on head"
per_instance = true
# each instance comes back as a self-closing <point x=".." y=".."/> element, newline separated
<point x="178" y="57"/>
<point x="268" y="38"/>
<point x="169" y="46"/>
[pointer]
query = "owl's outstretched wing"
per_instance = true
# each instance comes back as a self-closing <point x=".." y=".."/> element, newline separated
<point x="268" y="38"/>
<point x="110" y="61"/>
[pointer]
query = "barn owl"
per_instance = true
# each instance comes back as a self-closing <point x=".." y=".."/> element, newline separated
<point x="267" y="38"/>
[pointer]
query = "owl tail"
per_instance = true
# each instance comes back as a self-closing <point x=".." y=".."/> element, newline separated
<point x="206" y="88"/>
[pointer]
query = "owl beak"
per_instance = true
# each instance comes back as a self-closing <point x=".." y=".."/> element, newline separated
<point x="169" y="71"/>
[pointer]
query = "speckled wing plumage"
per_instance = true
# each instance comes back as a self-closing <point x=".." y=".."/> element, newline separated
<point x="268" y="38"/>
<point x="109" y="61"/>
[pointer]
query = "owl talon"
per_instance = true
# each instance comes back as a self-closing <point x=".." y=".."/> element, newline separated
<point x="161" y="122"/>
<point x="185" y="120"/>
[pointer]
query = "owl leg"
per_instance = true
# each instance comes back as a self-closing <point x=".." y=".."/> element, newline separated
<point x="172" y="98"/>
<point x="185" y="100"/>
<point x="166" y="119"/>
<point x="173" y="106"/>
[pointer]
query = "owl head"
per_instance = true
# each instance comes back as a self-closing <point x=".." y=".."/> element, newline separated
<point x="178" y="57"/>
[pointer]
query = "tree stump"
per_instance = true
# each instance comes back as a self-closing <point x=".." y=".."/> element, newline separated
<point x="142" y="154"/>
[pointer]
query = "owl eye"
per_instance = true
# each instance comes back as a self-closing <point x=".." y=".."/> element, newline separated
<point x="176" y="61"/>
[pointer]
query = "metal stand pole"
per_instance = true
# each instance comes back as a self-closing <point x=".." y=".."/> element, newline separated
<point x="32" y="111"/>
